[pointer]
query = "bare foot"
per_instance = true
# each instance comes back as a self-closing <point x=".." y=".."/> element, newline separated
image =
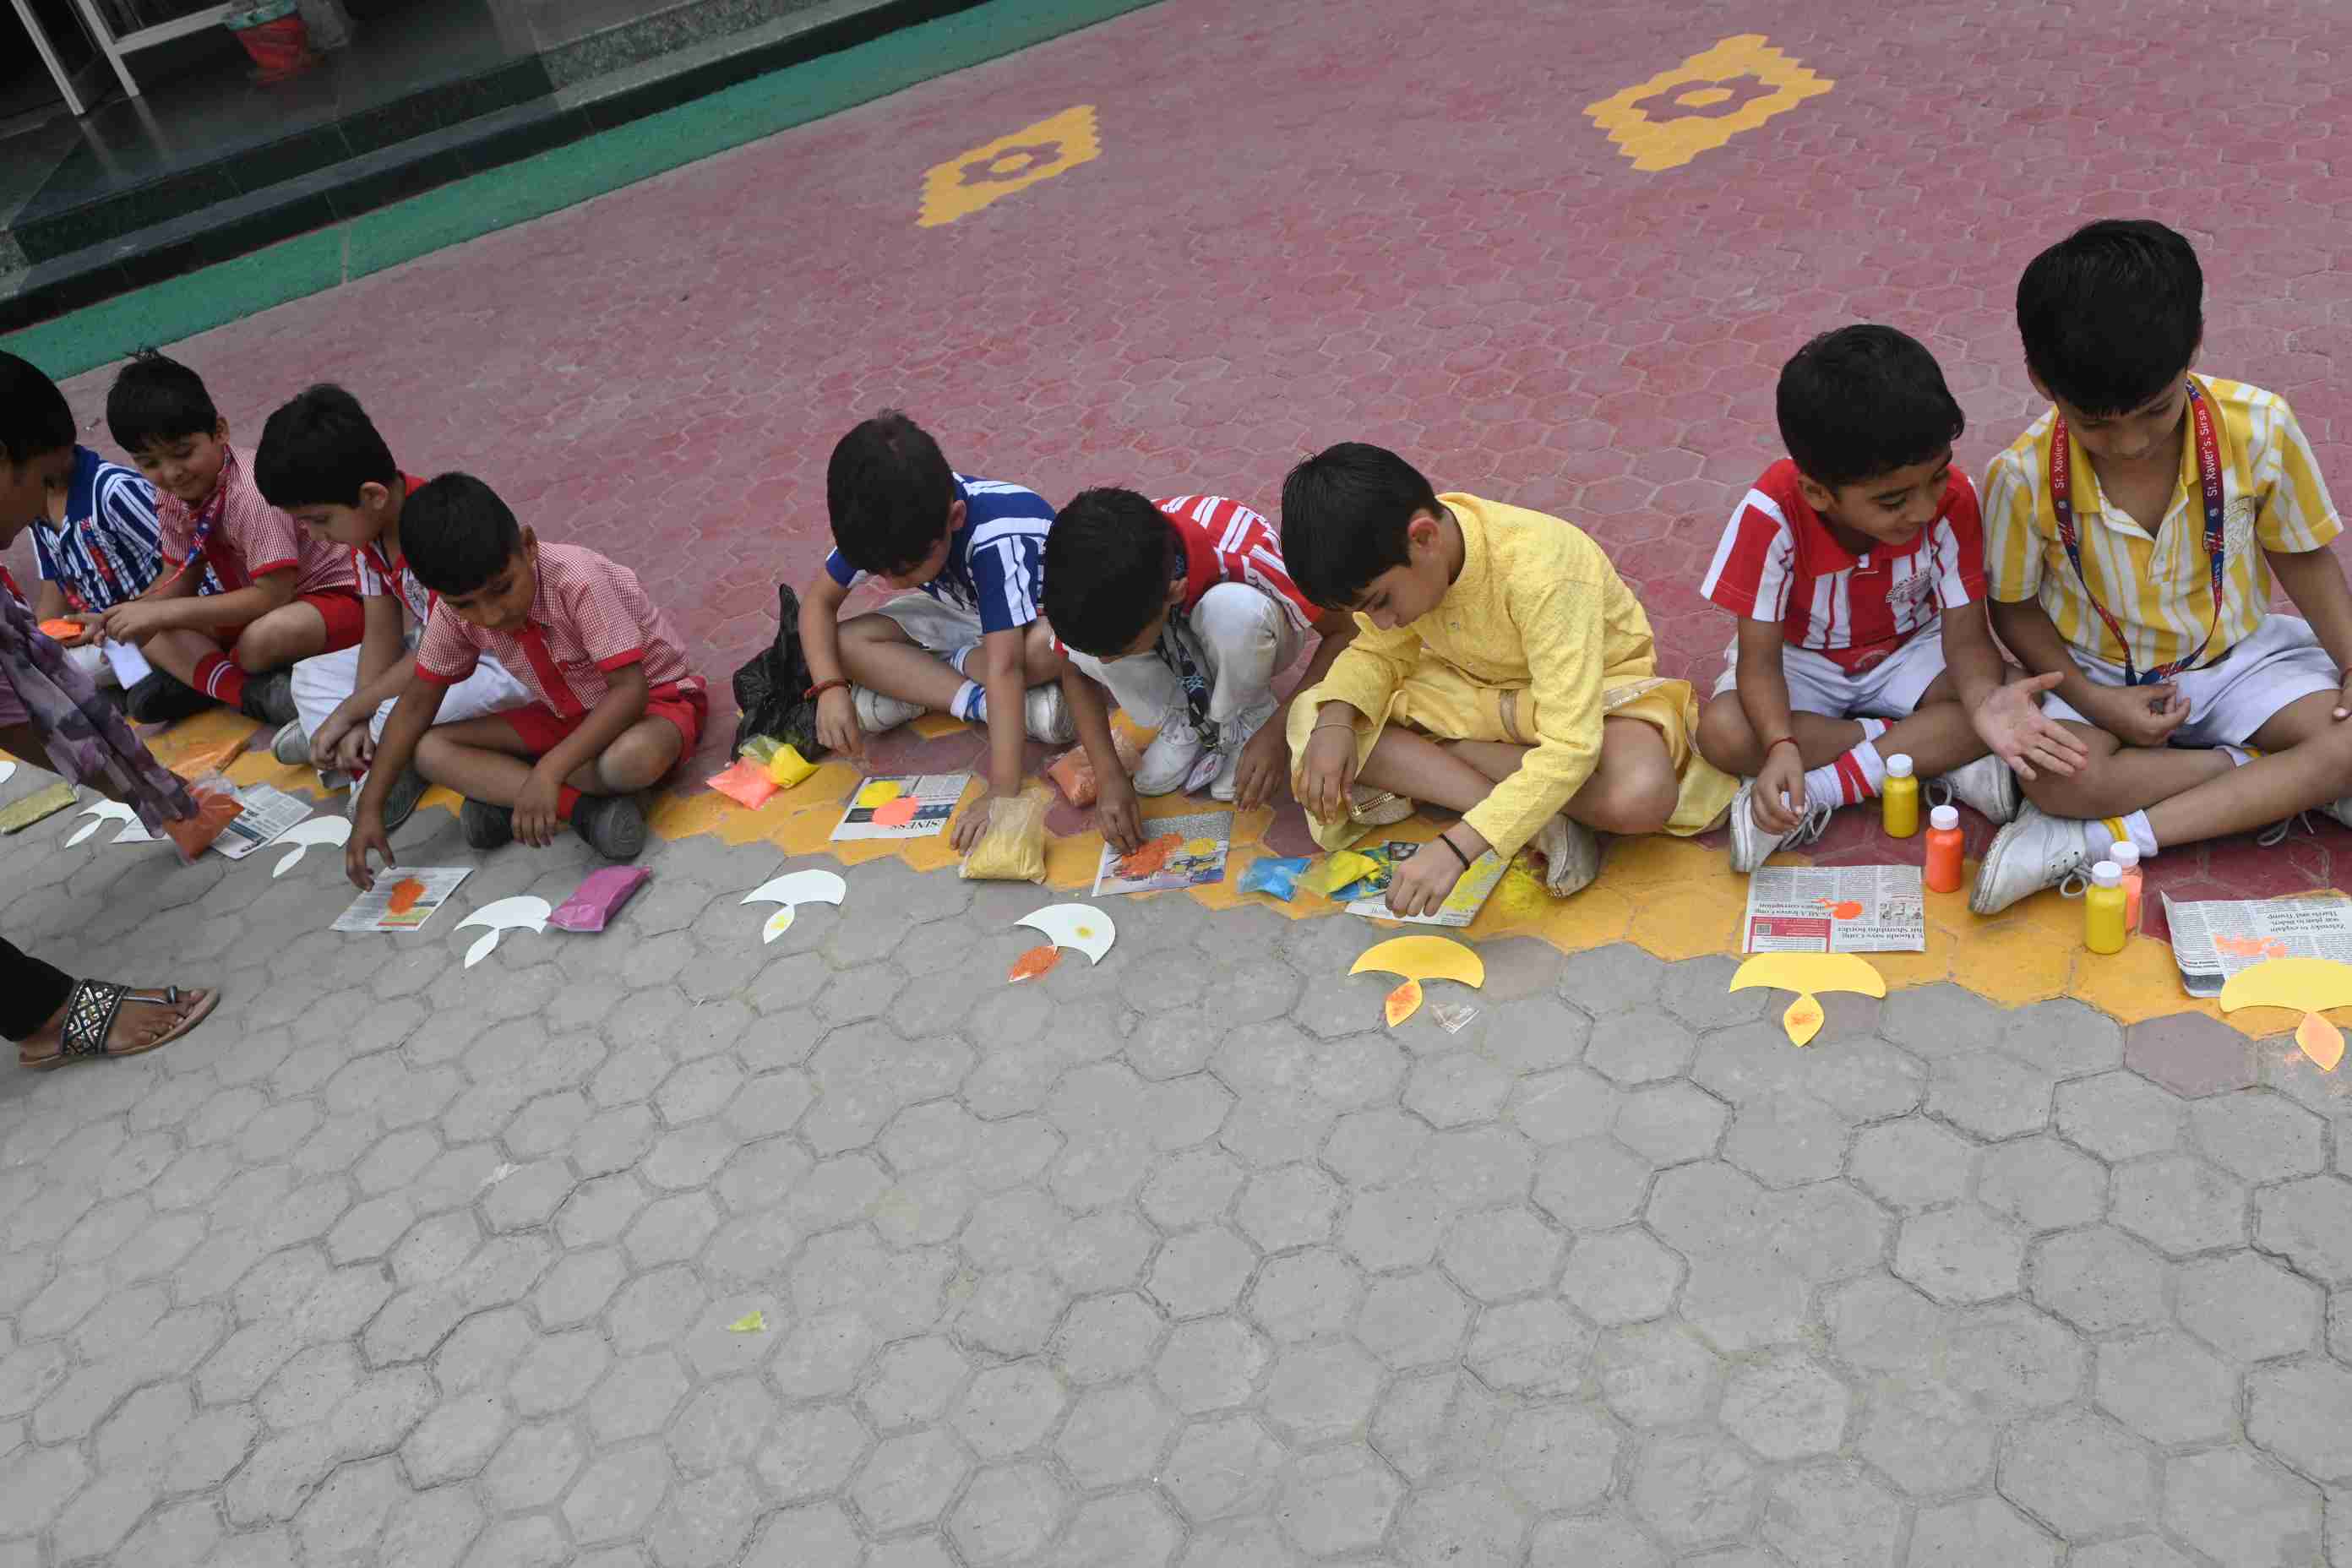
<point x="139" y="1027"/>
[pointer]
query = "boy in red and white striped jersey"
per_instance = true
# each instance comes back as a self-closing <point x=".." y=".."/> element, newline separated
<point x="1182" y="610"/>
<point x="1856" y="568"/>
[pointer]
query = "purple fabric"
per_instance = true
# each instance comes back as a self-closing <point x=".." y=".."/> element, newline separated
<point x="86" y="739"/>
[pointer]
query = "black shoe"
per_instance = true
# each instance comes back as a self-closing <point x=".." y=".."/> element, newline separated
<point x="269" y="697"/>
<point x="160" y="698"/>
<point x="485" y="827"/>
<point x="613" y="825"/>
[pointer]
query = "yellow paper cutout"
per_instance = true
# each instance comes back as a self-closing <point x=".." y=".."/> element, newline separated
<point x="1424" y="958"/>
<point x="879" y="791"/>
<point x="1674" y="140"/>
<point x="994" y="170"/>
<point x="2307" y="985"/>
<point x="1402" y="1002"/>
<point x="751" y="1322"/>
<point x="1805" y="973"/>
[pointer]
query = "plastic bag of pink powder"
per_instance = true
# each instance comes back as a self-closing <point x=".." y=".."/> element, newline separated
<point x="599" y="898"/>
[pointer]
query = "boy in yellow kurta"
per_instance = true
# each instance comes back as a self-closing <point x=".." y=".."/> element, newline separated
<point x="1501" y="669"/>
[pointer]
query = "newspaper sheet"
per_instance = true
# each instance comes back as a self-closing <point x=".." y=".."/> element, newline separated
<point x="267" y="812"/>
<point x="1835" y="908"/>
<point x="906" y="806"/>
<point x="1369" y="896"/>
<point x="403" y="898"/>
<point x="2214" y="940"/>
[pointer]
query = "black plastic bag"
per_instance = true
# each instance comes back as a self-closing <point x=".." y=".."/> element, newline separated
<point x="772" y="689"/>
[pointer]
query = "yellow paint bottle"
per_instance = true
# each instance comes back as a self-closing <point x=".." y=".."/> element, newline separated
<point x="2103" y="908"/>
<point x="1899" y="799"/>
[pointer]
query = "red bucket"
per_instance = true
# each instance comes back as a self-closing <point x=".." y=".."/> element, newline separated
<point x="281" y="49"/>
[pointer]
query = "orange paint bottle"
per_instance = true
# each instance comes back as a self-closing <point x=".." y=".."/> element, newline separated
<point x="2126" y="855"/>
<point x="1943" y="871"/>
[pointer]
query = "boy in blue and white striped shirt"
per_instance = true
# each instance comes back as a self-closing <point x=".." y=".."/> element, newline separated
<point x="99" y="546"/>
<point x="964" y="636"/>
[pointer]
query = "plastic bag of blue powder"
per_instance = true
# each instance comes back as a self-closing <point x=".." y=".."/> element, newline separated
<point x="1277" y="878"/>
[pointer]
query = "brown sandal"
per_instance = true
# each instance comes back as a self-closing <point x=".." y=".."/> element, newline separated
<point x="91" y="1012"/>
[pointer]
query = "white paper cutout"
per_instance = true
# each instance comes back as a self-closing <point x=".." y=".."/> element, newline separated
<point x="334" y="830"/>
<point x="1081" y="926"/>
<point x="506" y="915"/>
<point x="792" y="889"/>
<point x="107" y="811"/>
<point x="8" y="770"/>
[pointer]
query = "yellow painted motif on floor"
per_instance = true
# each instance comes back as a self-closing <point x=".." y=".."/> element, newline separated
<point x="970" y="181"/>
<point x="1735" y="86"/>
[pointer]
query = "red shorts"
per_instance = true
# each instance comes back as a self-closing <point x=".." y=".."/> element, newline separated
<point x="342" y="609"/>
<point x="542" y="729"/>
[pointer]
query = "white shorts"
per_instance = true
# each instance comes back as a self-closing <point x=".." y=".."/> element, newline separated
<point x="2229" y="700"/>
<point x="940" y="628"/>
<point x="321" y="682"/>
<point x="1890" y="688"/>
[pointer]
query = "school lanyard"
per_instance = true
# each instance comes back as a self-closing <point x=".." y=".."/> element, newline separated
<point x="94" y="547"/>
<point x="2209" y="473"/>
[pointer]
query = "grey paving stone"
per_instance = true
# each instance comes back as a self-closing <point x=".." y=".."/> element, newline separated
<point x="2168" y="1388"/>
<point x="1962" y="1254"/>
<point x="1957" y="1535"/>
<point x="2097" y="1279"/>
<point x="1912" y="1163"/>
<point x="1340" y="1500"/>
<point x="1930" y="1438"/>
<point x="1786" y="1406"/>
<point x="1221" y="1467"/>
<point x="2241" y="1509"/>
<point x="2258" y="1135"/>
<point x="2078" y="1473"/>
<point x="1833" y="1511"/>
<point x="2182" y="1204"/>
<point x="2301" y="1411"/>
<point x="1498" y="1254"/>
<point x="1695" y="1489"/>
<point x="2042" y="1183"/>
<point x="1669" y="1123"/>
<point x="2247" y="1307"/>
<point x="2119" y="1115"/>
<point x="1318" y="1393"/>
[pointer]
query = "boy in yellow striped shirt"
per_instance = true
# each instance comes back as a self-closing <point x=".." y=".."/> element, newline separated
<point x="2132" y="535"/>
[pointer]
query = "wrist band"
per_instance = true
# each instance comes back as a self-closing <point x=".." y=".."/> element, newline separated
<point x="822" y="687"/>
<point x="1333" y="724"/>
<point x="1449" y="843"/>
<point x="1783" y="741"/>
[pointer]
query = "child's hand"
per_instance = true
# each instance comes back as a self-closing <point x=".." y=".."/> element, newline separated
<point x="836" y="723"/>
<point x="1327" y="770"/>
<point x="1119" y="814"/>
<point x="1423" y="883"/>
<point x="2344" y="697"/>
<point x="2013" y="728"/>
<point x="972" y="823"/>
<point x="2141" y="715"/>
<point x="134" y="622"/>
<point x="1782" y="774"/>
<point x="367" y="835"/>
<point x="354" y="752"/>
<point x="87" y="636"/>
<point x="1264" y="759"/>
<point x="535" y="820"/>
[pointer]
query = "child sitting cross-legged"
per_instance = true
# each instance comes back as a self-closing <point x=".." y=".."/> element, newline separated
<point x="1856" y="568"/>
<point x="617" y="705"/>
<point x="285" y="595"/>
<point x="1500" y="669"/>
<point x="1183" y="611"/>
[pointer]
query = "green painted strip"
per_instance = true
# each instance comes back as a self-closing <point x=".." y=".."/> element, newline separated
<point x="549" y="182"/>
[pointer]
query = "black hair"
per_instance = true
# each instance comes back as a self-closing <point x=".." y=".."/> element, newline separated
<point x="457" y="534"/>
<point x="888" y="490"/>
<point x="2112" y="314"/>
<point x="1108" y="561"/>
<point x="1344" y="515"/>
<point x="156" y="400"/>
<point x="319" y="449"/>
<point x="1864" y="401"/>
<point x="34" y="417"/>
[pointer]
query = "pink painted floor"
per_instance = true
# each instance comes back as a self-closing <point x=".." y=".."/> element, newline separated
<point x="1382" y="220"/>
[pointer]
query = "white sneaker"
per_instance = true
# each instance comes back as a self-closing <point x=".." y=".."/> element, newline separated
<point x="1047" y="717"/>
<point x="1751" y="845"/>
<point x="1988" y="784"/>
<point x="1233" y="735"/>
<point x="877" y="713"/>
<point x="1169" y="761"/>
<point x="1571" y="853"/>
<point x="2035" y="851"/>
<point x="291" y="746"/>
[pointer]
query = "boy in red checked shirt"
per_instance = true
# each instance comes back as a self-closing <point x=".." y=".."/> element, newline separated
<point x="617" y="705"/>
<point x="285" y="596"/>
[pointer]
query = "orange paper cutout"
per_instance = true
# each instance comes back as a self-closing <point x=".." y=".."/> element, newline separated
<point x="2251" y="946"/>
<point x="1802" y="1020"/>
<point x="61" y="629"/>
<point x="896" y="813"/>
<point x="2322" y="1041"/>
<point x="405" y="894"/>
<point x="1032" y="963"/>
<point x="1842" y="909"/>
<point x="1404" y="1002"/>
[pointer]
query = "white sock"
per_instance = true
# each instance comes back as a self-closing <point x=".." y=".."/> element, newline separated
<point x="2239" y="756"/>
<point x="2101" y="834"/>
<point x="971" y="703"/>
<point x="1853" y="777"/>
<point x="956" y="659"/>
<point x="1872" y="728"/>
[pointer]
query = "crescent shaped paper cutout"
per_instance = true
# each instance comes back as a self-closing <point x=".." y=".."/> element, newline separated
<point x="779" y="924"/>
<point x="521" y="913"/>
<point x="2305" y="984"/>
<point x="297" y="839"/>
<point x="1080" y="926"/>
<point x="1810" y="972"/>
<point x="8" y="770"/>
<point x="1424" y="958"/>
<point x="800" y="888"/>
<point x="106" y="811"/>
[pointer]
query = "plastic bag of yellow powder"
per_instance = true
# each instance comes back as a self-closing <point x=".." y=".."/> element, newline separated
<point x="1011" y="847"/>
